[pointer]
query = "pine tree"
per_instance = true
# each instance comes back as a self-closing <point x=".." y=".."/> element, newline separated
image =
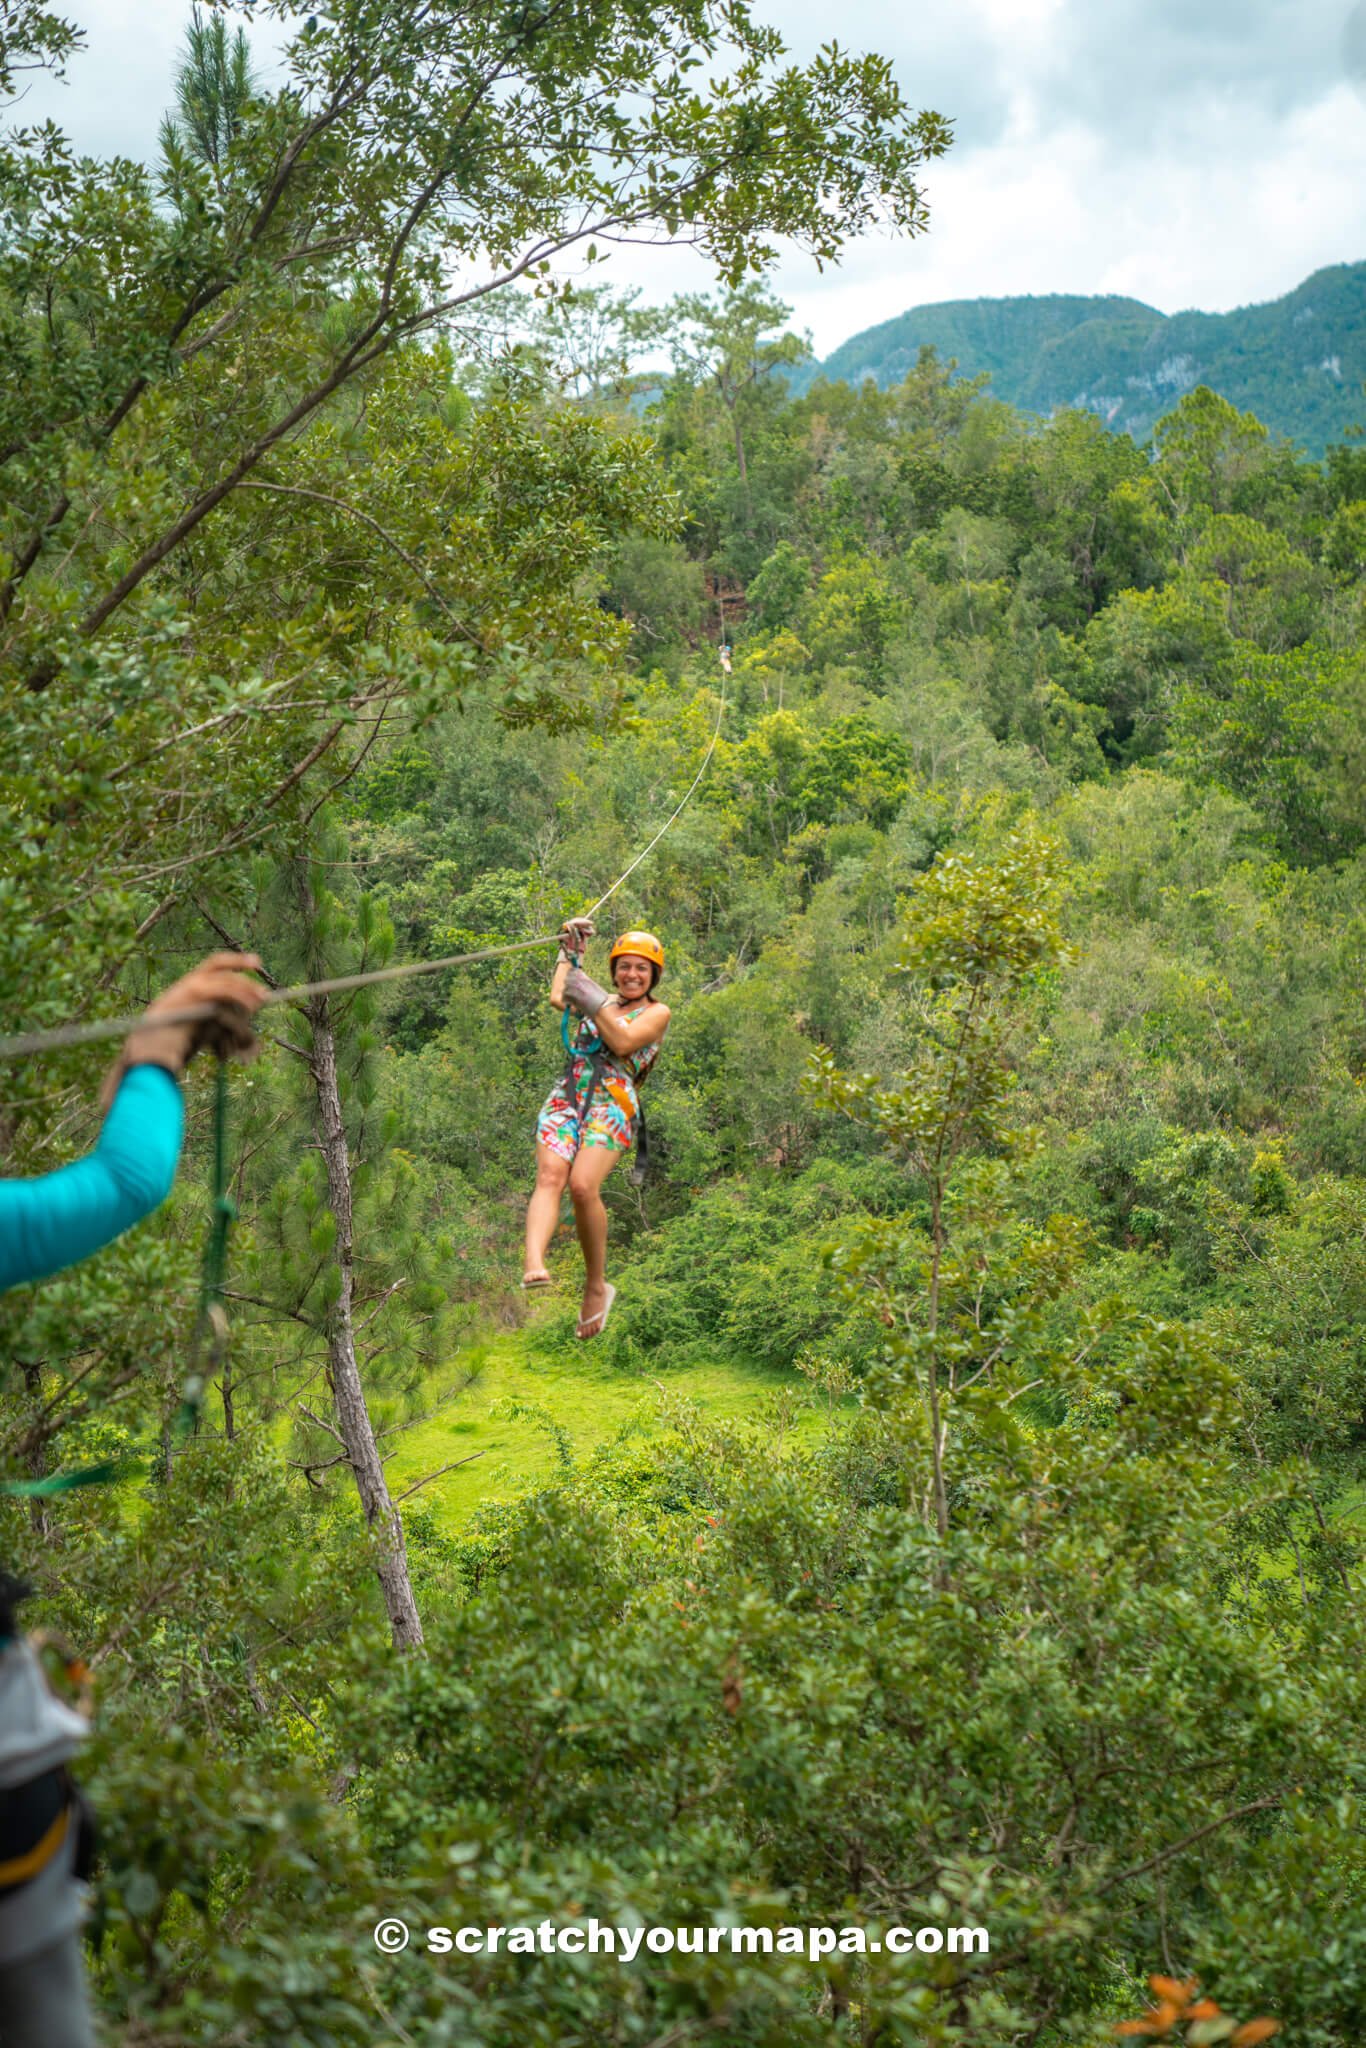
<point x="344" y="1256"/>
<point x="214" y="86"/>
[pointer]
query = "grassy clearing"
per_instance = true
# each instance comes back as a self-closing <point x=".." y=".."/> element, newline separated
<point x="592" y="1401"/>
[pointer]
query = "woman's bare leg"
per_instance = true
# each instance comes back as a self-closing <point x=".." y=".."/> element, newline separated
<point x="586" y="1177"/>
<point x="543" y="1210"/>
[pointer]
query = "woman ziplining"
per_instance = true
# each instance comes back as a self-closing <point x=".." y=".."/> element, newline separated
<point x="590" y="1120"/>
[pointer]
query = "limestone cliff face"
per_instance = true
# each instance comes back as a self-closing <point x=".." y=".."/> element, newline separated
<point x="1298" y="362"/>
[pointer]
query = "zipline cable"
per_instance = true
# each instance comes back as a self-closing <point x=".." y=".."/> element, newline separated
<point x="63" y="1035"/>
<point x="197" y="1013"/>
<point x="677" y="812"/>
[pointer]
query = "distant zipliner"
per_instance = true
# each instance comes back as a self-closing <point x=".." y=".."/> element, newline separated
<point x="591" y="1119"/>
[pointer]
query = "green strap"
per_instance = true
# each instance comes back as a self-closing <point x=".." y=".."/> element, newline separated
<point x="62" y="1482"/>
<point x="210" y="1328"/>
<point x="211" y="1320"/>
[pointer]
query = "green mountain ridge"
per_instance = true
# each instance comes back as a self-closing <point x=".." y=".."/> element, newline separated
<point x="1298" y="362"/>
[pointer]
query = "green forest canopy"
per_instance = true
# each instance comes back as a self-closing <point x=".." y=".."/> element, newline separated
<point x="1012" y="1126"/>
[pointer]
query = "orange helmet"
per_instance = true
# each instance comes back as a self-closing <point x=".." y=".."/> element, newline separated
<point x="644" y="945"/>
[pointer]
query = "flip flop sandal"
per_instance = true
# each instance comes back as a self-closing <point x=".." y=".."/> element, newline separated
<point x="600" y="1318"/>
<point x="536" y="1284"/>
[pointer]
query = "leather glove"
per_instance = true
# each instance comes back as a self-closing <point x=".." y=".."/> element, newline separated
<point x="228" y="1032"/>
<point x="574" y="937"/>
<point x="583" y="994"/>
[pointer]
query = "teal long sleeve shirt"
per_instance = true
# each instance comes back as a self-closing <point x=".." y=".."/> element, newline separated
<point x="58" y="1218"/>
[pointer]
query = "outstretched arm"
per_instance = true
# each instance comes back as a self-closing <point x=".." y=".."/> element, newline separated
<point x="57" y="1218"/>
<point x="60" y="1217"/>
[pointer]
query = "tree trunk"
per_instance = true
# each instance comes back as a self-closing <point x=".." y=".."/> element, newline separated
<point x="743" y="468"/>
<point x="938" y="1430"/>
<point x="353" y="1417"/>
<point x="36" y="1456"/>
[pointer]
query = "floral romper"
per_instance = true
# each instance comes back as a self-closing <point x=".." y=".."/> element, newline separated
<point x="615" y="1106"/>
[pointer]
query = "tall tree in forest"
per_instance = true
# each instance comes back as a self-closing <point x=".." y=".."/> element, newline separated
<point x="733" y="346"/>
<point x="339" y="1255"/>
<point x="348" y="1392"/>
<point x="983" y="927"/>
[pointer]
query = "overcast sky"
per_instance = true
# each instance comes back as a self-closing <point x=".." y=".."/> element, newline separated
<point x="1191" y="153"/>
